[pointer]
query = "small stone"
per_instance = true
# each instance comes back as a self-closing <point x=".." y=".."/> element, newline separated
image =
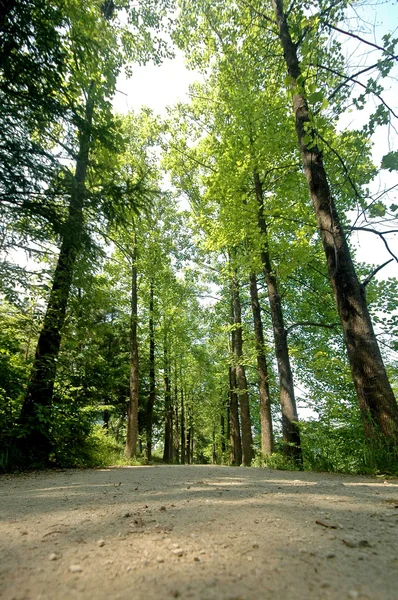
<point x="202" y="551"/>
<point x="330" y="555"/>
<point x="178" y="552"/>
<point x="126" y="514"/>
<point x="255" y="546"/>
<point x="159" y="559"/>
<point x="250" y="558"/>
<point x="53" y="556"/>
<point x="75" y="569"/>
<point x="351" y="543"/>
<point x="196" y="559"/>
<point x="101" y="543"/>
<point x="162" y="508"/>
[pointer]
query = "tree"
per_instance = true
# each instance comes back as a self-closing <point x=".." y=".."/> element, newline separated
<point x="375" y="397"/>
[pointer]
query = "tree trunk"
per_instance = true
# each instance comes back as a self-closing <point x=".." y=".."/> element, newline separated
<point x="182" y="428"/>
<point x="223" y="446"/>
<point x="247" y="440"/>
<point x="152" y="381"/>
<point x="168" y="429"/>
<point x="375" y="397"/>
<point x="290" y="430"/>
<point x="35" y="413"/>
<point x="188" y="446"/>
<point x="176" y="436"/>
<point x="214" y="446"/>
<point x="132" y="411"/>
<point x="262" y="367"/>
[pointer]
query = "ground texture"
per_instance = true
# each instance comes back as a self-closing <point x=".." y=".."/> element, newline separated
<point x="201" y="532"/>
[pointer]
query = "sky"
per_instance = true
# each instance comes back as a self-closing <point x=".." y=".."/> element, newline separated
<point x="160" y="86"/>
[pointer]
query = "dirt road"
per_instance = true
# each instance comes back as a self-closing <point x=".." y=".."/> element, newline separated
<point x="198" y="532"/>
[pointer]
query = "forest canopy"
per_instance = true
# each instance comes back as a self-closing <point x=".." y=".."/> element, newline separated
<point x="187" y="287"/>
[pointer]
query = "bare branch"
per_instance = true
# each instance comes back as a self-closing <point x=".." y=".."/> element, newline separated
<point x="373" y="273"/>
<point x="381" y="235"/>
<point x="195" y="160"/>
<point x="341" y="161"/>
<point x="353" y="77"/>
<point x="357" y="37"/>
<point x="310" y="324"/>
<point x="325" y="68"/>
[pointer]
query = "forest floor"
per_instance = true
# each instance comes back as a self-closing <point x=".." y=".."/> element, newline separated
<point x="201" y="532"/>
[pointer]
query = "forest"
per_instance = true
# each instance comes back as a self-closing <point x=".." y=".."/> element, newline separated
<point x="187" y="287"/>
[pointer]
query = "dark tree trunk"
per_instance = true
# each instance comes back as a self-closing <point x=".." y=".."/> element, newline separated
<point x="188" y="446"/>
<point x="214" y="447"/>
<point x="290" y="430"/>
<point x="262" y="367"/>
<point x="235" y="439"/>
<point x="106" y="417"/>
<point x="374" y="393"/>
<point x="168" y="429"/>
<point x="35" y="413"/>
<point x="245" y="420"/>
<point x="132" y="411"/>
<point x="152" y="381"/>
<point x="192" y="441"/>
<point x="176" y="437"/>
<point x="223" y="445"/>
<point x="182" y="428"/>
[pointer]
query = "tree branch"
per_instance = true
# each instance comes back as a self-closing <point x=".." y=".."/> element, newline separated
<point x="358" y="83"/>
<point x="373" y="273"/>
<point x="310" y="324"/>
<point x="341" y="161"/>
<point x="357" y="37"/>
<point x="381" y="235"/>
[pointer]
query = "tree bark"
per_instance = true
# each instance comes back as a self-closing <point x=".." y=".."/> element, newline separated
<point x="132" y="411"/>
<point x="375" y="397"/>
<point x="168" y="429"/>
<point x="152" y="381"/>
<point x="35" y="413"/>
<point x="176" y="436"/>
<point x="235" y="438"/>
<point x="182" y="428"/>
<point x="188" y="440"/>
<point x="223" y="445"/>
<point x="262" y="368"/>
<point x="247" y="440"/>
<point x="290" y="430"/>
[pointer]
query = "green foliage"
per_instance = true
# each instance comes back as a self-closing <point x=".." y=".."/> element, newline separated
<point x="275" y="461"/>
<point x="390" y="161"/>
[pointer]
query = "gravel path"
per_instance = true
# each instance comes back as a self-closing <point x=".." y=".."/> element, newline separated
<point x="201" y="532"/>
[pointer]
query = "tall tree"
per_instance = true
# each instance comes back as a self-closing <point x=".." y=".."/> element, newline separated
<point x="242" y="389"/>
<point x="262" y="367"/>
<point x="132" y="410"/>
<point x="95" y="58"/>
<point x="375" y="396"/>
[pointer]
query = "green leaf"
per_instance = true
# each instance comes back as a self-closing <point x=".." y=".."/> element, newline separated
<point x="316" y="97"/>
<point x="390" y="161"/>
